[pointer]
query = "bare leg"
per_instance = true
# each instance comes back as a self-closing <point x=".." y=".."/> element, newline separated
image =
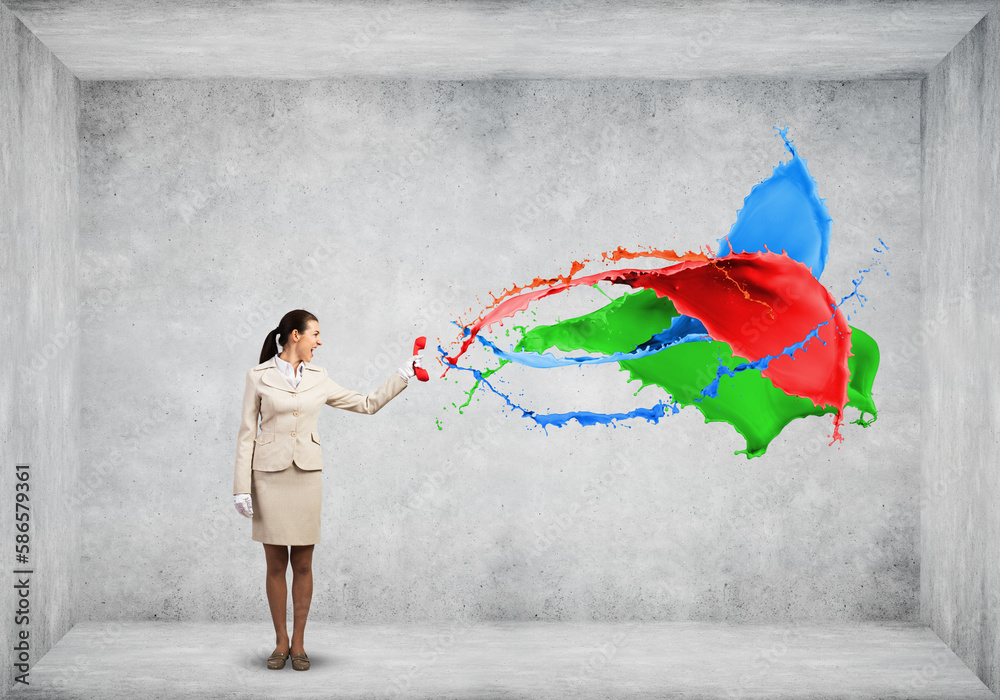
<point x="302" y="589"/>
<point x="277" y="592"/>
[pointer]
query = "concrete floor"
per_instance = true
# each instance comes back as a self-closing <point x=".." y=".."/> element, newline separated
<point x="507" y="660"/>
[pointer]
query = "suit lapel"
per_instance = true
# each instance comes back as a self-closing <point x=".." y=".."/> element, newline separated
<point x="310" y="378"/>
<point x="274" y="378"/>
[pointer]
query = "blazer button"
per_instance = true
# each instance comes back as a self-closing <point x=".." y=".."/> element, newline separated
<point x="293" y="434"/>
<point x="295" y="413"/>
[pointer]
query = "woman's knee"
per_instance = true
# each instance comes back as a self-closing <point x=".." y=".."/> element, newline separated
<point x="301" y="561"/>
<point x="276" y="558"/>
<point x="275" y="569"/>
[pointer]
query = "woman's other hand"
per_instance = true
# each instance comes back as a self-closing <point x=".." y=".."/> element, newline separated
<point x="243" y="505"/>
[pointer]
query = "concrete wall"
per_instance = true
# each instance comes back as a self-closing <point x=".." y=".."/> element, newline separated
<point x="389" y="209"/>
<point x="482" y="39"/>
<point x="39" y="331"/>
<point x="960" y="522"/>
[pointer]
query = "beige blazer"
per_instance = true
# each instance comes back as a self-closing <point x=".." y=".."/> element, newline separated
<point x="288" y="418"/>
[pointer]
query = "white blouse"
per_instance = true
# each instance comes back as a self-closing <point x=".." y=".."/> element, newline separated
<point x="293" y="376"/>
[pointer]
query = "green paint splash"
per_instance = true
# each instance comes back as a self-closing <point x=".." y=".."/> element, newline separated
<point x="485" y="374"/>
<point x="748" y="401"/>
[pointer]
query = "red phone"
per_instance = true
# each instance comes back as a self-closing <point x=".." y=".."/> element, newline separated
<point x="418" y="345"/>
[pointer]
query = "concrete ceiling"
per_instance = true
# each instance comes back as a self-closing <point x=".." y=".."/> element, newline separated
<point x="470" y="39"/>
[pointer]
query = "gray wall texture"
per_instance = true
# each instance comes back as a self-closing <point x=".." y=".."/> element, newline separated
<point x="40" y="334"/>
<point x="389" y="208"/>
<point x="959" y="334"/>
<point x="484" y="39"/>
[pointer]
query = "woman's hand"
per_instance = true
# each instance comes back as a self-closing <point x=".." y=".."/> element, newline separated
<point x="243" y="505"/>
<point x="409" y="370"/>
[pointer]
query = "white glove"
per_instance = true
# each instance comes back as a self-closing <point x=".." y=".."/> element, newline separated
<point x="407" y="371"/>
<point x="243" y="505"/>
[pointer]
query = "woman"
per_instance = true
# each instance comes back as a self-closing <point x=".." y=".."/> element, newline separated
<point x="277" y="480"/>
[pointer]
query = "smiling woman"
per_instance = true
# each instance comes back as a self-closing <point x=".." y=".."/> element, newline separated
<point x="278" y="475"/>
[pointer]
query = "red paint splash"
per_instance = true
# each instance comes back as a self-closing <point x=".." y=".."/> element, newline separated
<point x="758" y="303"/>
<point x="619" y="253"/>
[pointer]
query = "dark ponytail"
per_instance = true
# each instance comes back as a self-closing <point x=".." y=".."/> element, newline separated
<point x="294" y="320"/>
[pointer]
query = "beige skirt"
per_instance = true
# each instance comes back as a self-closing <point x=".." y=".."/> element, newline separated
<point x="286" y="506"/>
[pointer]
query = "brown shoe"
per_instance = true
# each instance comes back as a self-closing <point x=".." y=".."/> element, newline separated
<point x="300" y="662"/>
<point x="276" y="661"/>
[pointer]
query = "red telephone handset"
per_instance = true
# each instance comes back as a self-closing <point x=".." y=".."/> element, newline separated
<point x="418" y="345"/>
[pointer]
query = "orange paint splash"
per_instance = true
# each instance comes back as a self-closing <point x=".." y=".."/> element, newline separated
<point x="611" y="256"/>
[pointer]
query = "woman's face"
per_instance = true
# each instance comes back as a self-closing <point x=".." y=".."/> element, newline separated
<point x="307" y="342"/>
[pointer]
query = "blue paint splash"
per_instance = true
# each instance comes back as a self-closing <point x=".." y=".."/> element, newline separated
<point x="545" y="420"/>
<point x="785" y="211"/>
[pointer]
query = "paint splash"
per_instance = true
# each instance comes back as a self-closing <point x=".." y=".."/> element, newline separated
<point x="748" y="336"/>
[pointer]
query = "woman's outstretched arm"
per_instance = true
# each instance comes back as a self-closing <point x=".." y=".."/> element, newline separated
<point x="339" y="397"/>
